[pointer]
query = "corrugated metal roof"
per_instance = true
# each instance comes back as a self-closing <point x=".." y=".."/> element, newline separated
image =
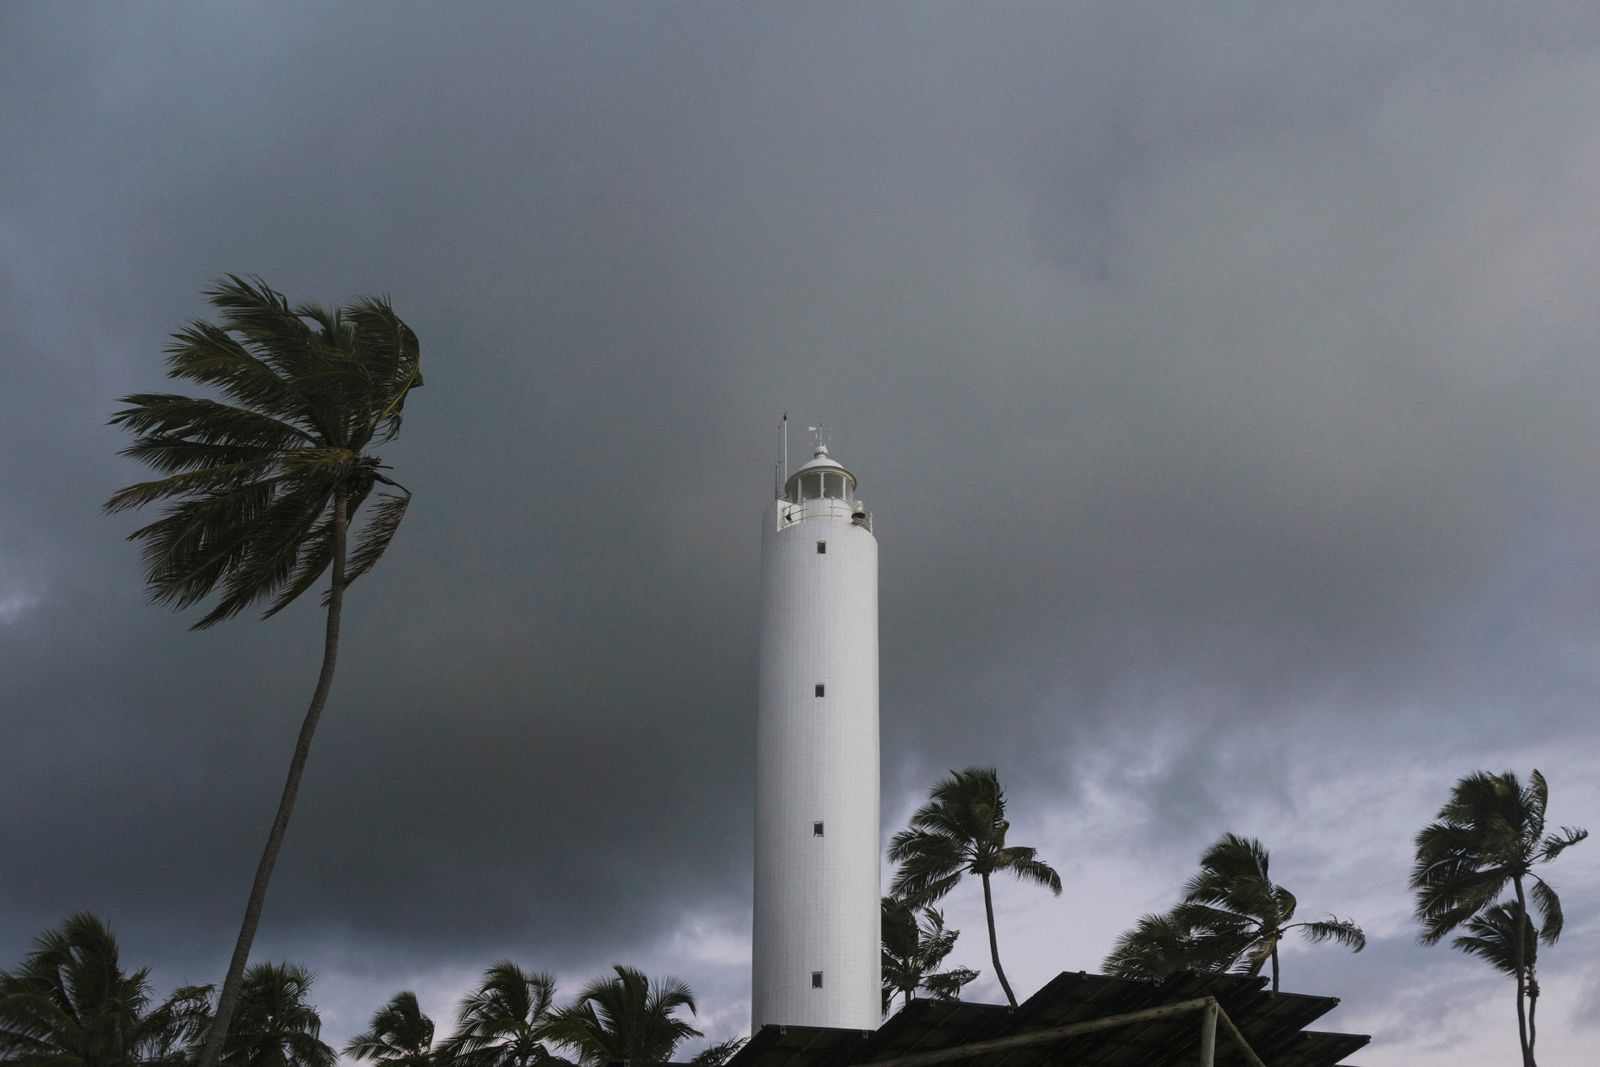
<point x="1273" y="1025"/>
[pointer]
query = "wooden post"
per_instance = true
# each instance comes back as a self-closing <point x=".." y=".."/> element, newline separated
<point x="1208" y="1035"/>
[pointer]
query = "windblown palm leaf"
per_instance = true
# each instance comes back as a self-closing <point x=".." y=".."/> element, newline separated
<point x="69" y="1004"/>
<point x="962" y="830"/>
<point x="506" y="1022"/>
<point x="1241" y="916"/>
<point x="626" y="1017"/>
<point x="263" y="481"/>
<point x="1491" y="834"/>
<point x="401" y="1035"/>
<point x="276" y="1025"/>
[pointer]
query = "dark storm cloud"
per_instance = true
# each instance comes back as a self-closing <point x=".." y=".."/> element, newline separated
<point x="1217" y="378"/>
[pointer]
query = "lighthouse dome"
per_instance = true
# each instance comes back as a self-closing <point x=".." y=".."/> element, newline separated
<point x="822" y="478"/>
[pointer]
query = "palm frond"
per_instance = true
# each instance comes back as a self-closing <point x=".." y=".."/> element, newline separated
<point x="1549" y="905"/>
<point x="1344" y="931"/>
<point x="382" y="522"/>
<point x="1555" y="844"/>
<point x="1491" y="936"/>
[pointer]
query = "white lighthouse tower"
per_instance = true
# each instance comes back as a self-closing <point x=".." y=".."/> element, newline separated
<point x="816" y="953"/>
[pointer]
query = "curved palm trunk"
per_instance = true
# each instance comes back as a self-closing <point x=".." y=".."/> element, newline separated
<point x="218" y="1032"/>
<point x="1274" y="966"/>
<point x="994" y="946"/>
<point x="1522" y="1019"/>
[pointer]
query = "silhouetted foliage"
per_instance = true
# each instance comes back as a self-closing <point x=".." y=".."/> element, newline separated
<point x="625" y="1017"/>
<point x="262" y="485"/>
<point x="1491" y="834"/>
<point x="960" y="831"/>
<point x="915" y="944"/>
<point x="70" y="1004"/>
<point x="401" y="1035"/>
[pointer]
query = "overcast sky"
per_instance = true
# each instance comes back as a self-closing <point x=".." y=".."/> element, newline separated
<point x="1223" y="380"/>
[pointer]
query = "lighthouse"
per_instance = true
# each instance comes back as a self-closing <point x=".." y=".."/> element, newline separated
<point x="815" y="953"/>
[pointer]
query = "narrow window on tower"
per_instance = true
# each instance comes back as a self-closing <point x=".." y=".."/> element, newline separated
<point x="816" y="979"/>
<point x="820" y="688"/>
<point x="822" y="548"/>
<point x="816" y="829"/>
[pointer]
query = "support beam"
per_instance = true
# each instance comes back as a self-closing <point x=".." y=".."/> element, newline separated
<point x="1238" y="1039"/>
<point x="1208" y="1035"/>
<point x="1210" y="1011"/>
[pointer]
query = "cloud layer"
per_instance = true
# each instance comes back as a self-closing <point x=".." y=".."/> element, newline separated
<point x="1223" y="383"/>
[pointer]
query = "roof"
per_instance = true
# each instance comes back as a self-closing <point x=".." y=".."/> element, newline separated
<point x="820" y="460"/>
<point x="1273" y="1025"/>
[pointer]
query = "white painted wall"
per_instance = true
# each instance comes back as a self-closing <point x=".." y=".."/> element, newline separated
<point x="817" y="899"/>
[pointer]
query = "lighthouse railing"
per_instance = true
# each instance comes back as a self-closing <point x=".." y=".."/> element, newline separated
<point x="824" y="508"/>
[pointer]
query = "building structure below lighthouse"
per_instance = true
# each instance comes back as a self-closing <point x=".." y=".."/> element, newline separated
<point x="815" y="953"/>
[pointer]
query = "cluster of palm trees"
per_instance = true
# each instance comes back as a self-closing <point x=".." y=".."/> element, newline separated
<point x="1232" y="916"/>
<point x="1488" y="838"/>
<point x="70" y="1004"/>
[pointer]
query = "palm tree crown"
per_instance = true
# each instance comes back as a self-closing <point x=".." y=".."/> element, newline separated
<point x="1234" y="903"/>
<point x="276" y="1025"/>
<point x="69" y="1004"/>
<point x="506" y="1022"/>
<point x="1164" y="944"/>
<point x="401" y="1035"/>
<point x="257" y="480"/>
<point x="627" y="1017"/>
<point x="262" y="484"/>
<point x="962" y="830"/>
<point x="1491" y="832"/>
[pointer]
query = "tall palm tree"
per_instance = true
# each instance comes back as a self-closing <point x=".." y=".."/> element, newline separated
<point x="1234" y="901"/>
<point x="1491" y="832"/>
<point x="915" y="944"/>
<point x="1492" y="935"/>
<point x="960" y="831"/>
<point x="626" y="1018"/>
<point x="70" y="1004"/>
<point x="401" y="1035"/>
<point x="1162" y="945"/>
<point x="505" y="1022"/>
<point x="276" y="1025"/>
<point x="262" y="484"/>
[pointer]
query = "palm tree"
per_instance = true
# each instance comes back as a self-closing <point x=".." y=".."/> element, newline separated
<point x="1162" y="945"/>
<point x="962" y="830"/>
<point x="506" y="1022"/>
<point x="264" y="483"/>
<point x="1489" y="833"/>
<point x="1492" y="936"/>
<point x="1234" y="901"/>
<point x="401" y="1036"/>
<point x="275" y="1024"/>
<point x="720" y="1053"/>
<point x="915" y="943"/>
<point x="627" y="1018"/>
<point x="69" y="1004"/>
